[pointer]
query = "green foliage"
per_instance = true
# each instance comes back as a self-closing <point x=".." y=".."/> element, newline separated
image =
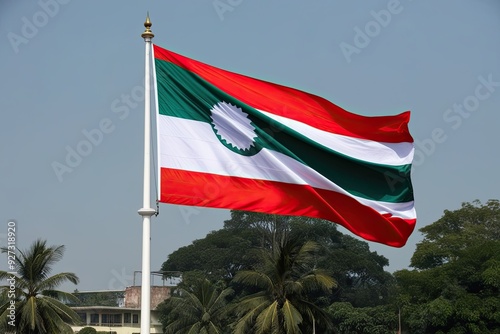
<point x="491" y="275"/>
<point x="221" y="254"/>
<point x="455" y="232"/>
<point x="92" y="330"/>
<point x="218" y="256"/>
<point x="358" y="271"/>
<point x="282" y="286"/>
<point x="39" y="307"/>
<point x="366" y="320"/>
<point x="199" y="308"/>
<point x="455" y="287"/>
<point x="87" y="330"/>
<point x="101" y="298"/>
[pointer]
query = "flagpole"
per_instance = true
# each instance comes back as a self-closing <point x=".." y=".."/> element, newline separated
<point x="146" y="211"/>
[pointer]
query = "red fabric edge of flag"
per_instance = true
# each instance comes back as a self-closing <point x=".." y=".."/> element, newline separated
<point x="237" y="193"/>
<point x="295" y="104"/>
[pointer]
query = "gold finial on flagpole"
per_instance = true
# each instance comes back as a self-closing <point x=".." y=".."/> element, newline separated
<point x="147" y="32"/>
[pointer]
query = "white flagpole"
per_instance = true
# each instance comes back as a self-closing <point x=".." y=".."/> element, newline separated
<point x="146" y="211"/>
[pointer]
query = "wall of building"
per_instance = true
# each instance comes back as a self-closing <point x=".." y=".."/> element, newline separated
<point x="121" y="330"/>
<point x="95" y="318"/>
<point x="133" y="296"/>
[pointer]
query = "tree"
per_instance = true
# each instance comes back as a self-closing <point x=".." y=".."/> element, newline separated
<point x="199" y="309"/>
<point x="39" y="308"/>
<point x="218" y="256"/>
<point x="363" y="320"/>
<point x="455" y="285"/>
<point x="87" y="330"/>
<point x="358" y="271"/>
<point x="284" y="282"/>
<point x="452" y="235"/>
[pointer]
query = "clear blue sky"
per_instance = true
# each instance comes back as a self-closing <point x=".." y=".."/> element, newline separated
<point x="68" y="66"/>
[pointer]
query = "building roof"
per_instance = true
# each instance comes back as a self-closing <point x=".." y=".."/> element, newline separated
<point x="110" y="308"/>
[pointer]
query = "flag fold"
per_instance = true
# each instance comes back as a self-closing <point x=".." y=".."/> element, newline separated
<point x="230" y="141"/>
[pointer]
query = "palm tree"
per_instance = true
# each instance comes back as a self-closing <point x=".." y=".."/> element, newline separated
<point x="198" y="309"/>
<point x="39" y="308"/>
<point x="285" y="282"/>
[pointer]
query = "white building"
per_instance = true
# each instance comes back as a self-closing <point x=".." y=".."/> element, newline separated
<point x="124" y="319"/>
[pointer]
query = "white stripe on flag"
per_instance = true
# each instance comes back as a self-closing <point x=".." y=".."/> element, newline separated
<point x="192" y="145"/>
<point x="393" y="154"/>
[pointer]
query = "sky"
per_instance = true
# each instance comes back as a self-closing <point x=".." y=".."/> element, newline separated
<point x="70" y="69"/>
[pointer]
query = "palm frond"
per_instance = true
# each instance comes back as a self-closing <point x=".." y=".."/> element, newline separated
<point x="214" y="329"/>
<point x="197" y="309"/>
<point x="63" y="312"/>
<point x="195" y="329"/>
<point x="254" y="278"/>
<point x="268" y="319"/>
<point x="315" y="313"/>
<point x="30" y="317"/>
<point x="286" y="280"/>
<point x="291" y="318"/>
<point x="219" y="307"/>
<point x="36" y="312"/>
<point x="253" y="301"/>
<point x="51" y="282"/>
<point x="318" y="280"/>
<point x="245" y="321"/>
<point x="61" y="296"/>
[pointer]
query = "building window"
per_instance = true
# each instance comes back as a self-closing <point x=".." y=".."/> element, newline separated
<point x="111" y="319"/>
<point x="83" y="317"/>
<point x="116" y="319"/>
<point x="94" y="319"/>
<point x="135" y="318"/>
<point x="127" y="318"/>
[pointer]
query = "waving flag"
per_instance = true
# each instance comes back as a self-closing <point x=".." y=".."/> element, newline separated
<point x="230" y="141"/>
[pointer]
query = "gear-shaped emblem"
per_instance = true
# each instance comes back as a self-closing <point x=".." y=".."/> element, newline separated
<point x="233" y="128"/>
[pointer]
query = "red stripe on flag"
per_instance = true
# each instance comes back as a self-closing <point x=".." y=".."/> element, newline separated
<point x="294" y="104"/>
<point x="237" y="193"/>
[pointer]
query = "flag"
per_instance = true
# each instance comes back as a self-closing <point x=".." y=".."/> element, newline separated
<point x="230" y="141"/>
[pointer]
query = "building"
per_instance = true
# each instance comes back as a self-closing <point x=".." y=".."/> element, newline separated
<point x="125" y="316"/>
